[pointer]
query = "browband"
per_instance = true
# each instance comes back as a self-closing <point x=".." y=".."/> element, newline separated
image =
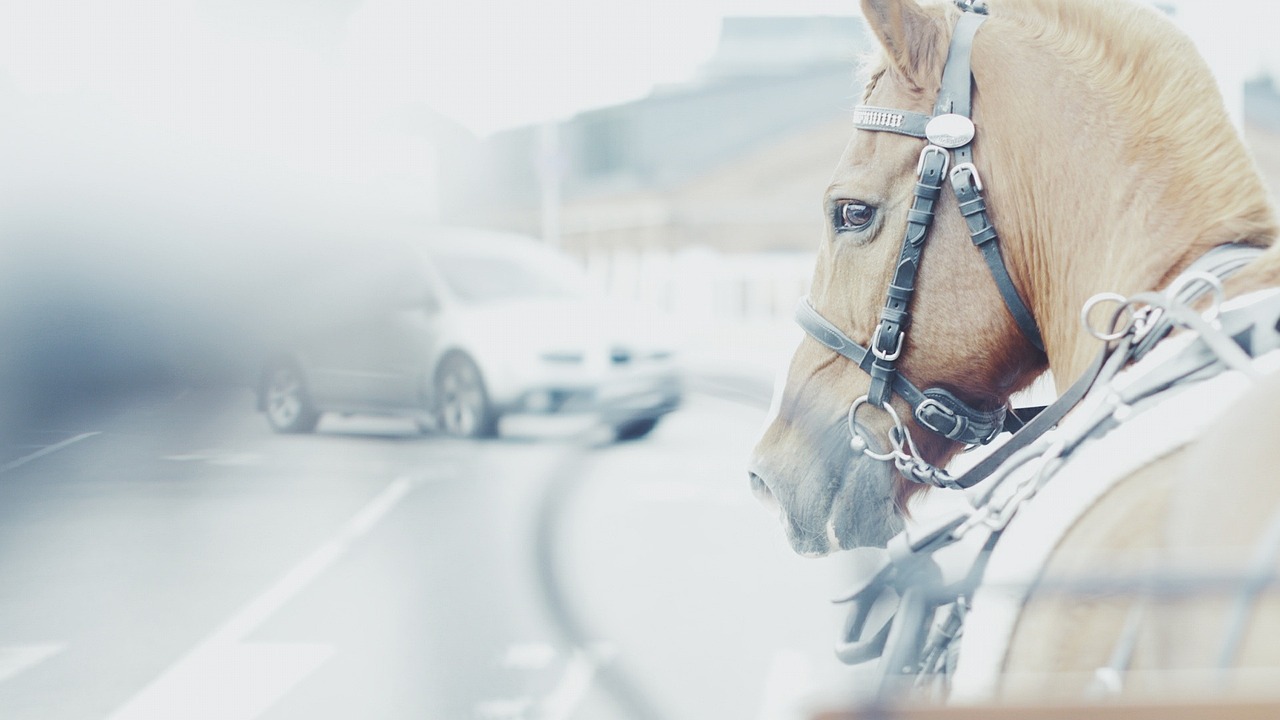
<point x="903" y="122"/>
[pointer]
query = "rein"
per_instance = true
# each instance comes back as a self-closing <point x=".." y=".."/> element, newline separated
<point x="949" y="132"/>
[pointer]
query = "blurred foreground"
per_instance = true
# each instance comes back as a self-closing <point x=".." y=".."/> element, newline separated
<point x="166" y="556"/>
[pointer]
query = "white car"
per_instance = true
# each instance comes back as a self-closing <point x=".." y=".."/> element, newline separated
<point x="463" y="328"/>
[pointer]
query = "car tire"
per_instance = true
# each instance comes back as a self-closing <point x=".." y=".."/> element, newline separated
<point x="286" y="402"/>
<point x="463" y="408"/>
<point x="635" y="429"/>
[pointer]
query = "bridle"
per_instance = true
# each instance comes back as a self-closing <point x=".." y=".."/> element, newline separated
<point x="905" y="609"/>
<point x="948" y="154"/>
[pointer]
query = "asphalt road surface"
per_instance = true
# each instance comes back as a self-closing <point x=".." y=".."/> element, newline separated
<point x="167" y="557"/>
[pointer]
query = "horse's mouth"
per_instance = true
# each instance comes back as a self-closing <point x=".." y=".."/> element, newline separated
<point x="847" y="509"/>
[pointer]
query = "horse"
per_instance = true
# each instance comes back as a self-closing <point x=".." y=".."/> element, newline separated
<point x="1095" y="159"/>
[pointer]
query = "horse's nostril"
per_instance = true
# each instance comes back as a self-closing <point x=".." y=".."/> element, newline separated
<point x="762" y="491"/>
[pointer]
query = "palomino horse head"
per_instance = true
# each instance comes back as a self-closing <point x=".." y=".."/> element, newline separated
<point x="1096" y="121"/>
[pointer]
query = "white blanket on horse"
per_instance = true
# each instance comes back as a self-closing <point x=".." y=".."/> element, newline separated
<point x="1183" y="415"/>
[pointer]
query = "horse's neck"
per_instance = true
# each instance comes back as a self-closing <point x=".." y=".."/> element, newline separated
<point x="1106" y="191"/>
<point x="1137" y="267"/>
<point x="1126" y="265"/>
<point x="1130" y="230"/>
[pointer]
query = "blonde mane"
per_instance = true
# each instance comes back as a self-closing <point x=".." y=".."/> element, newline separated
<point x="1160" y="100"/>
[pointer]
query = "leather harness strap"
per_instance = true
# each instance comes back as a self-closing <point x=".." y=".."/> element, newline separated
<point x="949" y="130"/>
<point x="950" y="134"/>
<point x="955" y="97"/>
<point x="934" y="408"/>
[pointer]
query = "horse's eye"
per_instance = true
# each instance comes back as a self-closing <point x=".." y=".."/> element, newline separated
<point x="853" y="215"/>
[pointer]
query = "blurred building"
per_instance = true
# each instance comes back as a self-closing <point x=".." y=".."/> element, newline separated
<point x="735" y="160"/>
<point x="705" y="197"/>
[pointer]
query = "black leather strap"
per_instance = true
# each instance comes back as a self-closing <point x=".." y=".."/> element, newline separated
<point x="965" y="184"/>
<point x="1041" y="423"/>
<point x="955" y="95"/>
<point x="895" y="316"/>
<point x="934" y="408"/>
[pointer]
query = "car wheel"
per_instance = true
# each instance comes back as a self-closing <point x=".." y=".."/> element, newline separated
<point x="462" y="402"/>
<point x="635" y="429"/>
<point x="286" y="402"/>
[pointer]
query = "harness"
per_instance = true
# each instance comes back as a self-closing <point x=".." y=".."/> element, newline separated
<point x="948" y="155"/>
<point x="932" y="571"/>
<point x="907" y="609"/>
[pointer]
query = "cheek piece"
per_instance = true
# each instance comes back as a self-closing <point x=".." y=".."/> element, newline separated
<point x="947" y="156"/>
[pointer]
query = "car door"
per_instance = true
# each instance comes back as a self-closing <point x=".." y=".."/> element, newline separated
<point x="397" y="340"/>
<point x="365" y="355"/>
<point x="404" y="343"/>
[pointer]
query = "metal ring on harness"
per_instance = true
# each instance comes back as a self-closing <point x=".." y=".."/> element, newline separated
<point x="858" y="443"/>
<point x="1112" y="334"/>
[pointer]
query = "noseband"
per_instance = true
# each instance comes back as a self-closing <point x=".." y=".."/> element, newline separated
<point x="949" y="134"/>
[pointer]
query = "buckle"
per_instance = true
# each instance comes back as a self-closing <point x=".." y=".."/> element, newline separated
<point x="886" y="356"/>
<point x="931" y="404"/>
<point x="977" y="179"/>
<point x="946" y="159"/>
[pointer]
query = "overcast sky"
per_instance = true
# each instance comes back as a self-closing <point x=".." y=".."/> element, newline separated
<point x="255" y="93"/>
<point x="489" y="64"/>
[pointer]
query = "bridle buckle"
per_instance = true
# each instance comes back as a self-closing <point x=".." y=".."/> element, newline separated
<point x="973" y="170"/>
<point x="946" y="159"/>
<point x="932" y="404"/>
<point x="882" y="354"/>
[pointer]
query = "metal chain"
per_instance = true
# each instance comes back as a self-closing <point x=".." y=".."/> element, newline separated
<point x="1133" y="319"/>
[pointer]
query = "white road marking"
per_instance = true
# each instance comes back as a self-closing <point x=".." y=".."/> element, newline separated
<point x="16" y="658"/>
<point x="529" y="656"/>
<point x="223" y="678"/>
<point x="578" y="675"/>
<point x="228" y="459"/>
<point x="225" y="682"/>
<point x="45" y="451"/>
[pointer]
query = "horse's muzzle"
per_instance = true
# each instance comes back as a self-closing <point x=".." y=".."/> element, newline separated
<point x="761" y="490"/>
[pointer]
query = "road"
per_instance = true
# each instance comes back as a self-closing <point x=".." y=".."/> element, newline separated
<point x="165" y="556"/>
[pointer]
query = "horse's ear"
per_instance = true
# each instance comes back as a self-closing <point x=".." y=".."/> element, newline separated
<point x="908" y="34"/>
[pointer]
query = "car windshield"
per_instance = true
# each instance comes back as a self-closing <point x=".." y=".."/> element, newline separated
<point x="487" y="278"/>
